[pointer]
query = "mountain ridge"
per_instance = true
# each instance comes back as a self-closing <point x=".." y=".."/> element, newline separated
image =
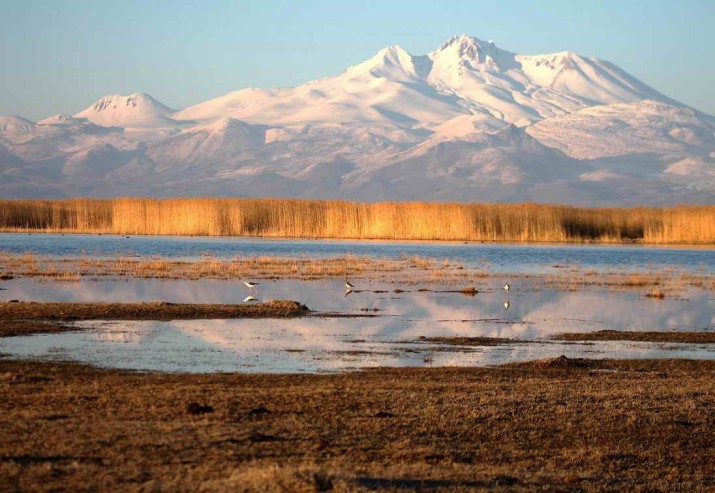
<point x="466" y="121"/>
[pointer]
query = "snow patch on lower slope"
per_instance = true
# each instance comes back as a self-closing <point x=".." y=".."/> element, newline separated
<point x="645" y="127"/>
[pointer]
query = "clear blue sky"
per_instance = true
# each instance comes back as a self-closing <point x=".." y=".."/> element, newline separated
<point x="60" y="56"/>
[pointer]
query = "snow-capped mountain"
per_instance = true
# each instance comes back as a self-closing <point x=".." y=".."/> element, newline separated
<point x="469" y="121"/>
<point x="127" y="111"/>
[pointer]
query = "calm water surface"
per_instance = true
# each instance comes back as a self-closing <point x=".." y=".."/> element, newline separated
<point x="392" y="338"/>
<point x="494" y="257"/>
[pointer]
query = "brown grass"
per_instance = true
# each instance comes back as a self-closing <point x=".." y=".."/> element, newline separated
<point x="656" y="294"/>
<point x="409" y="270"/>
<point x="363" y="270"/>
<point x="558" y="425"/>
<point x="341" y="219"/>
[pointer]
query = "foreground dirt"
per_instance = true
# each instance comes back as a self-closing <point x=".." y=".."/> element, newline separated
<point x="559" y="425"/>
<point x="639" y="336"/>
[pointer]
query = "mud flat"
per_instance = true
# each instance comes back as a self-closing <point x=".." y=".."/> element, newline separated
<point x="639" y="336"/>
<point x="26" y="318"/>
<point x="147" y="311"/>
<point x="557" y="425"/>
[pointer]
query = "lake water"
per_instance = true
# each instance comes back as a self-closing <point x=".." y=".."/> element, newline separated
<point x="497" y="258"/>
<point x="390" y="338"/>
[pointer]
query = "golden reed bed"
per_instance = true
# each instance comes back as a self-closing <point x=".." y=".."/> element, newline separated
<point x="356" y="220"/>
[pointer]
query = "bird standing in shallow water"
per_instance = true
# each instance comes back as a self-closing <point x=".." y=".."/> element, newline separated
<point x="348" y="285"/>
<point x="250" y="284"/>
<point x="507" y="287"/>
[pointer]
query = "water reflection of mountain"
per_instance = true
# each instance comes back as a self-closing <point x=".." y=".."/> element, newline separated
<point x="295" y="345"/>
<point x="329" y="344"/>
<point x="530" y="313"/>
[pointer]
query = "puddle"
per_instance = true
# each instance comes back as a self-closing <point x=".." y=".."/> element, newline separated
<point x="529" y="314"/>
<point x="302" y="345"/>
<point x="391" y="338"/>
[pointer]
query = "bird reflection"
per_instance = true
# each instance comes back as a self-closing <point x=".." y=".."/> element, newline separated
<point x="249" y="298"/>
<point x="506" y="305"/>
<point x="348" y="291"/>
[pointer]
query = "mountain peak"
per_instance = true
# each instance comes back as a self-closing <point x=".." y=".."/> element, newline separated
<point x="467" y="44"/>
<point x="15" y="123"/>
<point x="116" y="110"/>
<point x="467" y="52"/>
<point x="137" y="99"/>
<point x="393" y="62"/>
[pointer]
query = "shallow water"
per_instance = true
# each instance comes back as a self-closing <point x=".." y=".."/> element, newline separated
<point x="391" y="338"/>
<point x="301" y="345"/>
<point x="493" y="257"/>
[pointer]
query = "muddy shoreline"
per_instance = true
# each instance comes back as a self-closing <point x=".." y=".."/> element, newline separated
<point x="68" y="311"/>
<point x="639" y="336"/>
<point x="558" y="425"/>
<point x="27" y="318"/>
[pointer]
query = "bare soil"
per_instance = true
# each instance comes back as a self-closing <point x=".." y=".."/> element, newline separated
<point x="146" y="311"/>
<point x="644" y="336"/>
<point x="471" y="341"/>
<point x="556" y="425"/>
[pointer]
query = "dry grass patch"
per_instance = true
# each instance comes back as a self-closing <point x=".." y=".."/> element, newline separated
<point x="642" y="425"/>
<point x="408" y="270"/>
<point x="342" y="219"/>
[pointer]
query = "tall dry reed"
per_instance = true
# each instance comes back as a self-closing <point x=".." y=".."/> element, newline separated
<point x="342" y="219"/>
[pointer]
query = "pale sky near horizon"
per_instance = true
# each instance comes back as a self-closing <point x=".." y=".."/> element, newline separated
<point x="60" y="56"/>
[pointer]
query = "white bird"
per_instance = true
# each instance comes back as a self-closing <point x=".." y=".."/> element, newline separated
<point x="250" y="284"/>
<point x="348" y="285"/>
<point x="507" y="287"/>
<point x="250" y="298"/>
<point x="506" y="304"/>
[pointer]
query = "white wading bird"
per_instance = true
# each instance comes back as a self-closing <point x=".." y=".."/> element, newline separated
<point x="348" y="285"/>
<point x="507" y="287"/>
<point x="250" y="284"/>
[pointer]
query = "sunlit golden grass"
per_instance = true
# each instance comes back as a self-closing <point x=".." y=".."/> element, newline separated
<point x="407" y="270"/>
<point x="342" y="219"/>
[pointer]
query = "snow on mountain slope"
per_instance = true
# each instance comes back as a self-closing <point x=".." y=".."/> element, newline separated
<point x="643" y="127"/>
<point x="15" y="124"/>
<point x="590" y="79"/>
<point x="352" y="98"/>
<point x="215" y="142"/>
<point x="128" y="111"/>
<point x="464" y="76"/>
<point x="97" y="162"/>
<point x="468" y="121"/>
<point x="62" y="120"/>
